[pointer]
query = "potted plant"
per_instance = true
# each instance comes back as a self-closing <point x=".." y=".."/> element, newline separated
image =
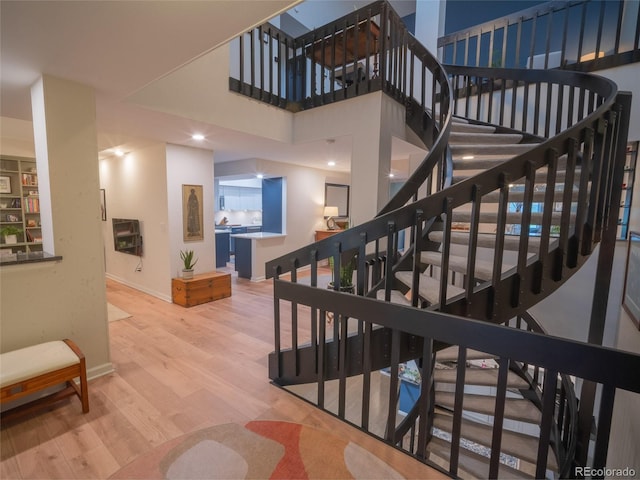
<point x="189" y="262"/>
<point x="347" y="267"/>
<point x="10" y="234"/>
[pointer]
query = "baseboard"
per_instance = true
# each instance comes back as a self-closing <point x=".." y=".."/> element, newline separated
<point x="100" y="370"/>
<point x="153" y="293"/>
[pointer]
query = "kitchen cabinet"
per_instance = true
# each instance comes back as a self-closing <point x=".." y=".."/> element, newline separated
<point x="222" y="248"/>
<point x="239" y="198"/>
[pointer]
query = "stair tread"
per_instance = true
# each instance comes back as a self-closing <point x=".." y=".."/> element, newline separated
<point x="512" y="217"/>
<point x="540" y="177"/>
<point x="483" y="138"/>
<point x="471" y="127"/>
<point x="487" y="240"/>
<point x="558" y="196"/>
<point x="483" y="269"/>
<point x="515" y="408"/>
<point x="429" y="288"/>
<point x="471" y="462"/>
<point x="480" y="376"/>
<point x="515" y="444"/>
<point x="483" y="149"/>
<point x="396" y="297"/>
<point x="450" y="354"/>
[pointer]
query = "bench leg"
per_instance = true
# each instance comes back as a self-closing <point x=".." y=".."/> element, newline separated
<point x="83" y="394"/>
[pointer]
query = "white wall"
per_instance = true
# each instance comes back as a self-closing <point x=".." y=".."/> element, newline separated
<point x="136" y="188"/>
<point x="200" y="90"/>
<point x="304" y="205"/>
<point x="189" y="166"/>
<point x="371" y="120"/>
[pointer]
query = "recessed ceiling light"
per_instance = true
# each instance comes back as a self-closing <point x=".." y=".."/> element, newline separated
<point x="391" y="175"/>
<point x="331" y="163"/>
<point x="119" y="153"/>
<point x="260" y="175"/>
<point x="197" y="136"/>
<point x="468" y="157"/>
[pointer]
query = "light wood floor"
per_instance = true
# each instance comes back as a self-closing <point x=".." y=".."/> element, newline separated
<point x="177" y="370"/>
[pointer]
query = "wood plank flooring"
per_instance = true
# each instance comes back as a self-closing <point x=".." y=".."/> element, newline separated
<point x="177" y="370"/>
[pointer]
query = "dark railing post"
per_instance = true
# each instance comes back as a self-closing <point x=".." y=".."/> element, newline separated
<point x="604" y="269"/>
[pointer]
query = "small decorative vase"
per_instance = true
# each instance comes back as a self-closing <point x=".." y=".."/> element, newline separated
<point x="187" y="274"/>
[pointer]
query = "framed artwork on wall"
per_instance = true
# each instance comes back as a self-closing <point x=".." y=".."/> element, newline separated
<point x="192" y="208"/>
<point x="103" y="205"/>
<point x="337" y="195"/>
<point x="631" y="293"/>
<point x="5" y="184"/>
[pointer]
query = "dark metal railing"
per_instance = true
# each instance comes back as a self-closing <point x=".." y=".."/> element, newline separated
<point x="585" y="35"/>
<point x="562" y="431"/>
<point x="592" y="149"/>
<point x="420" y="331"/>
<point x="590" y="125"/>
<point x="365" y="51"/>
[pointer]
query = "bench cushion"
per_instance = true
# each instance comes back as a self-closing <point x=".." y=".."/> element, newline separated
<point x="30" y="362"/>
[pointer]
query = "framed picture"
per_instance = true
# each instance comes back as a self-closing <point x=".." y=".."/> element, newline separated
<point x="103" y="205"/>
<point x="5" y="184"/>
<point x="12" y="218"/>
<point x="337" y="195"/>
<point x="192" y="207"/>
<point x="631" y="293"/>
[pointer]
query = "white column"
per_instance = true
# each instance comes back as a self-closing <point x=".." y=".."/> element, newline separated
<point x="370" y="167"/>
<point x="67" y="299"/>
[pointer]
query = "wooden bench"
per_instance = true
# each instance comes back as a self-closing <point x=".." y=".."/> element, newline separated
<point x="32" y="369"/>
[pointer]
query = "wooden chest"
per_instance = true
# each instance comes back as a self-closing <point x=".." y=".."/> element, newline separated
<point x="202" y="288"/>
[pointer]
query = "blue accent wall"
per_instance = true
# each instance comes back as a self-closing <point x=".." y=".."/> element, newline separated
<point x="463" y="14"/>
<point x="272" y="205"/>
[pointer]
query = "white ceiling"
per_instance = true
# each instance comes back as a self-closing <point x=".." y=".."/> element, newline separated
<point x="119" y="47"/>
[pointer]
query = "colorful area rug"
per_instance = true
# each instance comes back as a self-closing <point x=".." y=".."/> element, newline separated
<point x="258" y="450"/>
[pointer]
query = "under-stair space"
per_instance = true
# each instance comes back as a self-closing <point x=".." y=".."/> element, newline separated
<point x="522" y="418"/>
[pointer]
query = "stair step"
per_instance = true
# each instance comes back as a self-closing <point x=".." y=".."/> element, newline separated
<point x="473" y="463"/>
<point x="482" y="149"/>
<point x="538" y="197"/>
<point x="540" y="177"/>
<point x="450" y="354"/>
<point x="482" y="138"/>
<point x="479" y="162"/>
<point x="429" y="287"/>
<point x="396" y="297"/>
<point x="487" y="377"/>
<point x="483" y="269"/>
<point x="471" y="128"/>
<point x="487" y="240"/>
<point x="518" y="409"/>
<point x="515" y="444"/>
<point x="512" y="217"/>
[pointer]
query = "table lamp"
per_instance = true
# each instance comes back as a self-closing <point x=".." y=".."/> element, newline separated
<point x="329" y="213"/>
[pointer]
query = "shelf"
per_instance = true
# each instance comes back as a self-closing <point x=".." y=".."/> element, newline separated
<point x="22" y="203"/>
<point x="626" y="199"/>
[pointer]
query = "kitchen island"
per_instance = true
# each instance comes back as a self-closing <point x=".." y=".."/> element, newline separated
<point x="248" y="263"/>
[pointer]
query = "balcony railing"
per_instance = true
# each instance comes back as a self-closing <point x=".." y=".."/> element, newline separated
<point x="583" y="35"/>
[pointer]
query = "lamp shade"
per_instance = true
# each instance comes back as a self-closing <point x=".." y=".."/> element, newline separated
<point x="330" y="211"/>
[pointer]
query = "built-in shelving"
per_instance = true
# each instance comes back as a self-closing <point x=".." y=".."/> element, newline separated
<point x="627" y="190"/>
<point x="20" y="205"/>
<point x="126" y="236"/>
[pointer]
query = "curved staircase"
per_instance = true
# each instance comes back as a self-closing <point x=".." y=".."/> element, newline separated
<point x="507" y="218"/>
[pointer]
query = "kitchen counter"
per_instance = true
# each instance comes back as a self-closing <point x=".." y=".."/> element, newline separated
<point x="248" y="248"/>
<point x="258" y="235"/>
